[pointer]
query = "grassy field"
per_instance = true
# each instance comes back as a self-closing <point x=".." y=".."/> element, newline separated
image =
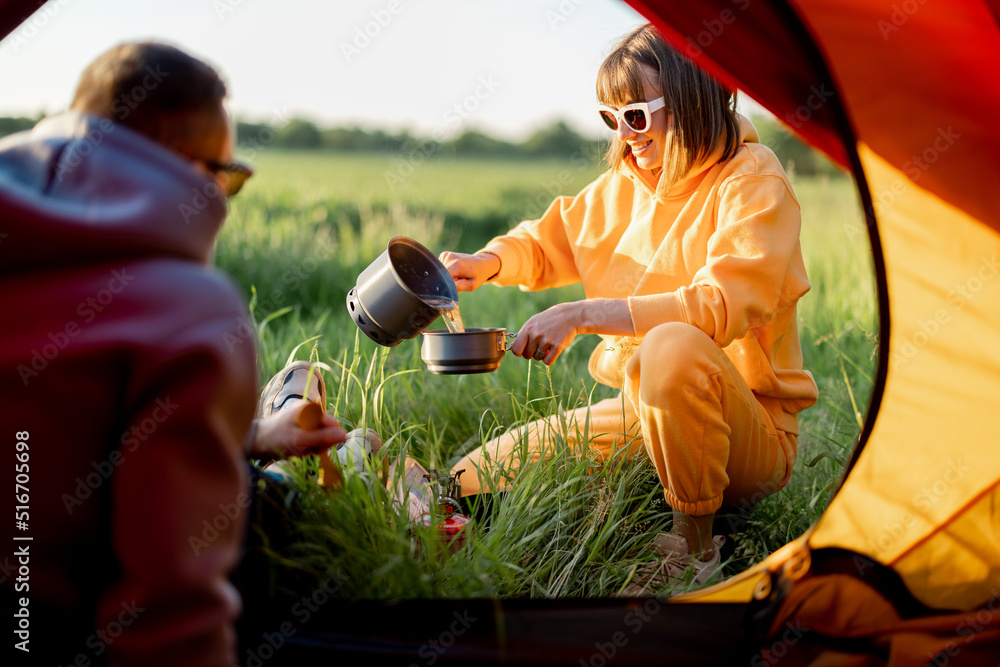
<point x="304" y="228"/>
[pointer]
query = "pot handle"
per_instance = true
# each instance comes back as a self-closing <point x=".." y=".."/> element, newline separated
<point x="506" y="348"/>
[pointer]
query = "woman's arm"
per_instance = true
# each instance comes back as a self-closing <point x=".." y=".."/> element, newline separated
<point x="535" y="255"/>
<point x="551" y="331"/>
<point x="470" y="271"/>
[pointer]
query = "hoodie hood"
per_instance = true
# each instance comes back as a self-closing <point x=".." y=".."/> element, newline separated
<point x="662" y="189"/>
<point x="81" y="188"/>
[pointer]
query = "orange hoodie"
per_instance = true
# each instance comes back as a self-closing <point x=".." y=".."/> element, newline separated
<point x="719" y="250"/>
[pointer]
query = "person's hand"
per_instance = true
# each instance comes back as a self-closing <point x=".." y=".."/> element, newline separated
<point x="279" y="436"/>
<point x="470" y="271"/>
<point x="547" y="334"/>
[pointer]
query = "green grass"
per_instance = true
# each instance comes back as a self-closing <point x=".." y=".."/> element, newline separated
<point x="296" y="240"/>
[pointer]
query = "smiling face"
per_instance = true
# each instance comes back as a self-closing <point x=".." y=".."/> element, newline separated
<point x="649" y="147"/>
<point x="699" y="115"/>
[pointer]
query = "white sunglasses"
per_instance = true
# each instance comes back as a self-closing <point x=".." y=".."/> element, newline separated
<point x="637" y="117"/>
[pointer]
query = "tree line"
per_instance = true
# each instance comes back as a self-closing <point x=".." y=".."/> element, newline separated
<point x="556" y="140"/>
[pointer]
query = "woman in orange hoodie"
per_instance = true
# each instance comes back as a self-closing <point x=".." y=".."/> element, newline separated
<point x="688" y="252"/>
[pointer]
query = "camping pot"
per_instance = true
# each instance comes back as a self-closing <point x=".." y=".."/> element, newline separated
<point x="388" y="303"/>
<point x="474" y="351"/>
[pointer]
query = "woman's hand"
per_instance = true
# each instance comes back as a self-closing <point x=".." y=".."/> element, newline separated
<point x="547" y="334"/>
<point x="470" y="271"/>
<point x="279" y="436"/>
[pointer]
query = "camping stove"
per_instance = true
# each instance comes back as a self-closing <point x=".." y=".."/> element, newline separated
<point x="452" y="527"/>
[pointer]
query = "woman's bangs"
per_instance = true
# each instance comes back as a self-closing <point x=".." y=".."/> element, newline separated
<point x="619" y="81"/>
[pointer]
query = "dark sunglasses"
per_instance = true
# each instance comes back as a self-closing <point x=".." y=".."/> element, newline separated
<point x="637" y="117"/>
<point x="237" y="174"/>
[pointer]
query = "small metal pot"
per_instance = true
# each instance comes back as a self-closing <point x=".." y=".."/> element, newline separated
<point x="386" y="303"/>
<point x="475" y="351"/>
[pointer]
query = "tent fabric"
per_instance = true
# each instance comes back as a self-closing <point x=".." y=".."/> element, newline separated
<point x="867" y="629"/>
<point x="840" y="610"/>
<point x="935" y="519"/>
<point x="523" y="632"/>
<point x="830" y="616"/>
<point x="782" y="74"/>
<point x="13" y="13"/>
<point x="919" y="84"/>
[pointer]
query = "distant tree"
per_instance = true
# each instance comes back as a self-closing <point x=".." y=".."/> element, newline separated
<point x="384" y="142"/>
<point x="796" y="157"/>
<point x="19" y="124"/>
<point x="298" y="133"/>
<point x="555" y="139"/>
<point x="256" y="134"/>
<point x="473" y="142"/>
<point x="343" y="138"/>
<point x="398" y="142"/>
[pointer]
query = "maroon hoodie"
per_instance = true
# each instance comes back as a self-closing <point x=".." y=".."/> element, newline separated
<point x="126" y="371"/>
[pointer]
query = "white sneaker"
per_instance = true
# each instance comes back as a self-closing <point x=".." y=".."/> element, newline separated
<point x="675" y="566"/>
<point x="290" y="382"/>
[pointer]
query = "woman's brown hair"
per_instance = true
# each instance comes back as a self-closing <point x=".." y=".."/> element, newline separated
<point x="704" y="110"/>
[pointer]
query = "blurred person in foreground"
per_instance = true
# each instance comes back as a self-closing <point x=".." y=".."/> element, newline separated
<point x="688" y="251"/>
<point x="120" y="374"/>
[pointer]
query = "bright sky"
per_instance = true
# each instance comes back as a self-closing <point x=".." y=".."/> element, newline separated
<point x="432" y="66"/>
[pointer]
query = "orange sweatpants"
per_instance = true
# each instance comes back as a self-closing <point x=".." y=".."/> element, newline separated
<point x="683" y="400"/>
